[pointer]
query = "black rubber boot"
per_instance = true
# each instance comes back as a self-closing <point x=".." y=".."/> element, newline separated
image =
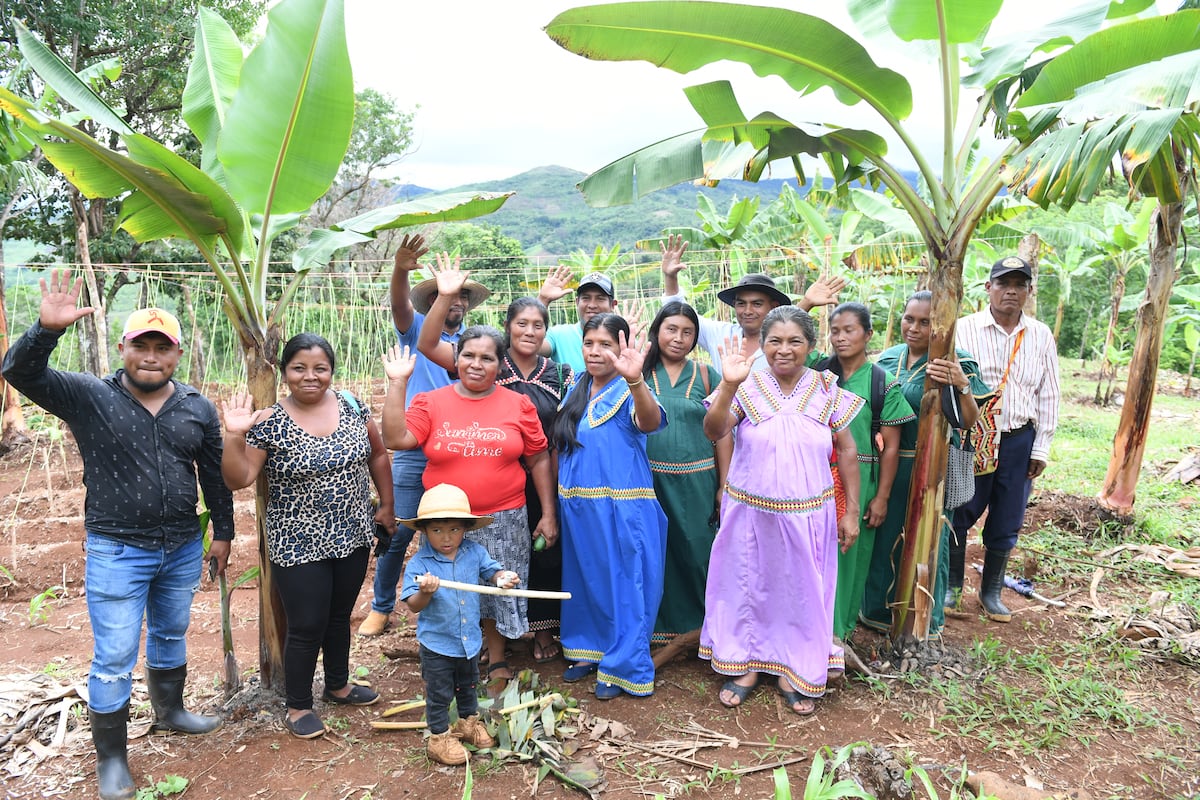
<point x="995" y="562"/>
<point x="958" y="560"/>
<point x="109" y="735"/>
<point x="166" y="695"/>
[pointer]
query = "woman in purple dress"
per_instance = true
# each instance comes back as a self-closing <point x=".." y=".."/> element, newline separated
<point x="773" y="570"/>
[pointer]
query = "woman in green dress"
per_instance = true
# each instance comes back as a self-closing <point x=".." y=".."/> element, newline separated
<point x="909" y="363"/>
<point x="688" y="469"/>
<point x="850" y="331"/>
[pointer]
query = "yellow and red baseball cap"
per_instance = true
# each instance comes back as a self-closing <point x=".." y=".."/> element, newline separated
<point x="152" y="320"/>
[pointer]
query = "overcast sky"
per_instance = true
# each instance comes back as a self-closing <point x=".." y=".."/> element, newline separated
<point x="498" y="97"/>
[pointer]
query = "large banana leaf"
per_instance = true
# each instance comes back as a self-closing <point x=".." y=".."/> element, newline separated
<point x="289" y="125"/>
<point x="913" y="20"/>
<point x="211" y="84"/>
<point x="99" y="172"/>
<point x="54" y="71"/>
<point x="806" y="51"/>
<point x="1135" y="44"/>
<point x="731" y="147"/>
<point x="429" y="208"/>
<point x="1008" y="56"/>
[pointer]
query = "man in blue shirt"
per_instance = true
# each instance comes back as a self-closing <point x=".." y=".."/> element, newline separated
<point x="409" y="306"/>
<point x="594" y="295"/>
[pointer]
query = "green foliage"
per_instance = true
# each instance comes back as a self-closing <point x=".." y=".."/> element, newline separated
<point x="169" y="785"/>
<point x="41" y="603"/>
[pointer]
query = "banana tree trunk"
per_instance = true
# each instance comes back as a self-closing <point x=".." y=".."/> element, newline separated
<point x="12" y="425"/>
<point x="1029" y="248"/>
<point x="923" y="525"/>
<point x="1129" y="443"/>
<point x="1108" y="368"/>
<point x="259" y="357"/>
<point x="1058" y="316"/>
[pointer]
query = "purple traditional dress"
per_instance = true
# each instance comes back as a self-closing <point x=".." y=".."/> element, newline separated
<point x="773" y="571"/>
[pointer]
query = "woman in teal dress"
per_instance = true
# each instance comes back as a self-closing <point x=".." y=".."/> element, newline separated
<point x="614" y="533"/>
<point x="689" y="470"/>
<point x="909" y="363"/>
<point x="850" y="331"/>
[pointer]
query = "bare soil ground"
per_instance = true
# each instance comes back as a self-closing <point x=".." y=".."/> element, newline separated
<point x="41" y="503"/>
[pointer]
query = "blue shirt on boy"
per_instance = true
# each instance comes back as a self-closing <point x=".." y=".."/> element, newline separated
<point x="449" y="625"/>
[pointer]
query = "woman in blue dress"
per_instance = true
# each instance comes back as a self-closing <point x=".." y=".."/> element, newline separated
<point x="614" y="533"/>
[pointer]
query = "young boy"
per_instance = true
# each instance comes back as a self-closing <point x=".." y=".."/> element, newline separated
<point x="448" y="619"/>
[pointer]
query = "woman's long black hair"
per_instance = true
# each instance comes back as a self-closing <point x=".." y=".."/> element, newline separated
<point x="675" y="308"/>
<point x="864" y="318"/>
<point x="567" y="422"/>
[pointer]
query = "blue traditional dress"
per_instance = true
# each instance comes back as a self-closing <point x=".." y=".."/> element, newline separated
<point x="614" y="539"/>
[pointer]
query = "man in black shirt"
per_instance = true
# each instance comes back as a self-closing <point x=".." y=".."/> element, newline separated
<point x="144" y="439"/>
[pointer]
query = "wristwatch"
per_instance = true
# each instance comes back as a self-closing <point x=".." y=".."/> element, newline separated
<point x="964" y="390"/>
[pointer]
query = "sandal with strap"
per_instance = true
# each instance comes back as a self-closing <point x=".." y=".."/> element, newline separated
<point x="737" y="690"/>
<point x="544" y="653"/>
<point x="793" y="698"/>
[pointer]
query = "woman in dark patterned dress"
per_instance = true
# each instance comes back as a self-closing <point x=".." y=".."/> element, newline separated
<point x="321" y="451"/>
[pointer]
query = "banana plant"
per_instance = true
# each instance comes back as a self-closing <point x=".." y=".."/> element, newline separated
<point x="809" y="53"/>
<point x="274" y="126"/>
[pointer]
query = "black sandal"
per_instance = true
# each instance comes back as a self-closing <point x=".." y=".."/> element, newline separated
<point x="499" y="665"/>
<point x="792" y="698"/>
<point x="737" y="690"/>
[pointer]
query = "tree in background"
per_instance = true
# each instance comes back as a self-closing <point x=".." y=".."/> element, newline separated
<point x="273" y="128"/>
<point x="153" y="39"/>
<point x="808" y="54"/>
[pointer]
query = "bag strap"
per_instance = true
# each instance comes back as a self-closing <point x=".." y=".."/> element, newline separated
<point x="1011" y="357"/>
<point x="703" y="378"/>
<point x="351" y="400"/>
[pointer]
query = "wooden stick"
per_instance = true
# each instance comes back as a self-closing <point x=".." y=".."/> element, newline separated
<point x="480" y="589"/>
<point x="381" y="725"/>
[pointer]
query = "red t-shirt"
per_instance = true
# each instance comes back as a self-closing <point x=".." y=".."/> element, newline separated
<point x="476" y="444"/>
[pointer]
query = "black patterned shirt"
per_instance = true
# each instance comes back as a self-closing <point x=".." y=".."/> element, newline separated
<point x="140" y="469"/>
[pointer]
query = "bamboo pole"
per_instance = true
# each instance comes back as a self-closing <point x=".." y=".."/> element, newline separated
<point x="481" y="589"/>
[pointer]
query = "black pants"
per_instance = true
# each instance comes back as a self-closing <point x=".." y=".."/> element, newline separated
<point x="448" y="678"/>
<point x="318" y="598"/>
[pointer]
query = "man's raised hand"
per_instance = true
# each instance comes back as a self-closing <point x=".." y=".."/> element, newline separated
<point x="60" y="299"/>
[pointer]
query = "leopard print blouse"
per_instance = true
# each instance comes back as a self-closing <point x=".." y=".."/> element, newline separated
<point x="318" y="487"/>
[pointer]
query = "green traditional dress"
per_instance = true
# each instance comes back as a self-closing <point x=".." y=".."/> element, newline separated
<point x="885" y="559"/>
<point x="853" y="564"/>
<point x="685" y="480"/>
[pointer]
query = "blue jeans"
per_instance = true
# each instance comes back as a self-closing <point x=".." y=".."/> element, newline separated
<point x="407" y="468"/>
<point x="124" y="585"/>
<point x="448" y="678"/>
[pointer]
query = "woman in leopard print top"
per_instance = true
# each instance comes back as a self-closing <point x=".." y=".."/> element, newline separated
<point x="318" y="448"/>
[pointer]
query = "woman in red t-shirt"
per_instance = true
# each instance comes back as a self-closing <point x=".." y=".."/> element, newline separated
<point x="476" y="437"/>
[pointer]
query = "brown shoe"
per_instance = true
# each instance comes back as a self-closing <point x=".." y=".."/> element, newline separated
<point x="472" y="731"/>
<point x="445" y="749"/>
<point x="375" y="624"/>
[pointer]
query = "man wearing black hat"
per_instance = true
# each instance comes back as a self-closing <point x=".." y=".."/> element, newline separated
<point x="594" y="295"/>
<point x="752" y="298"/>
<point x="1017" y="356"/>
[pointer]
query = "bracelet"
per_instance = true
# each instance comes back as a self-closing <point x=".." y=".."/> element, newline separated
<point x="638" y="382"/>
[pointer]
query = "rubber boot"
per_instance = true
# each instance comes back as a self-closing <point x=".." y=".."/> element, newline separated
<point x="995" y="562"/>
<point x="166" y="696"/>
<point x="110" y="737"/>
<point x="958" y="559"/>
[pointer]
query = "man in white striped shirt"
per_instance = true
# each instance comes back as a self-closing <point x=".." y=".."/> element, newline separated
<point x="1017" y="354"/>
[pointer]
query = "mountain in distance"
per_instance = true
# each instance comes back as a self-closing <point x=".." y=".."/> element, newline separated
<point x="548" y="215"/>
